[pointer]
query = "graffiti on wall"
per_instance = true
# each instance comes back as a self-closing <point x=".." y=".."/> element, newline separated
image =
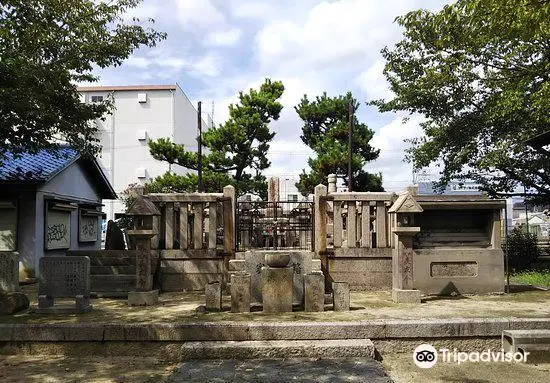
<point x="58" y="230"/>
<point x="88" y="228"/>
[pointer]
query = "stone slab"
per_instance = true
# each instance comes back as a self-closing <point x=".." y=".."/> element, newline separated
<point x="143" y="298"/>
<point x="189" y="253"/>
<point x="9" y="272"/>
<point x="240" y="292"/>
<point x="187" y="282"/>
<point x="340" y="296"/>
<point x="299" y="260"/>
<point x="314" y="292"/>
<point x="454" y="328"/>
<point x="405" y="296"/>
<point x="278" y="349"/>
<point x="213" y="295"/>
<point x="192" y="266"/>
<point x="277" y="289"/>
<point x="64" y="277"/>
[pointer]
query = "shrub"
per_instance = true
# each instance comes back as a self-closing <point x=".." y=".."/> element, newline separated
<point x="522" y="249"/>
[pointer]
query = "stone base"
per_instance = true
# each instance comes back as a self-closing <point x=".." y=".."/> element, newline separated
<point x="143" y="298"/>
<point x="11" y="303"/>
<point x="405" y="296"/>
<point x="46" y="305"/>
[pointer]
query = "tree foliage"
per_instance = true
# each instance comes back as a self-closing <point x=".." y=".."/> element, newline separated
<point x="325" y="130"/>
<point x="522" y="249"/>
<point x="236" y="150"/>
<point x="478" y="70"/>
<point x="46" y="46"/>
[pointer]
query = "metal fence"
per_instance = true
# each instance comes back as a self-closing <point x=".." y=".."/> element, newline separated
<point x="275" y="225"/>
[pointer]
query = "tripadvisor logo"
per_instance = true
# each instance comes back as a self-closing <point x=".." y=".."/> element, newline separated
<point x="426" y="356"/>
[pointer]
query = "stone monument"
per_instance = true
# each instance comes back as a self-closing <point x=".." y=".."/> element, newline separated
<point x="143" y="211"/>
<point x="114" y="237"/>
<point x="277" y="283"/>
<point x="402" y="258"/>
<point x="240" y="292"/>
<point x="12" y="299"/>
<point x="64" y="277"/>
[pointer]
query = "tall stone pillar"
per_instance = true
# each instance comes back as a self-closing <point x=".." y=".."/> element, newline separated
<point x="277" y="288"/>
<point x="240" y="292"/>
<point x="273" y="189"/>
<point x="314" y="291"/>
<point x="331" y="179"/>
<point x="320" y="219"/>
<point x="143" y="295"/>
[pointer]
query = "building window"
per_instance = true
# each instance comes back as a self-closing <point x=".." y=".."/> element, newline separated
<point x="97" y="98"/>
<point x="8" y="226"/>
<point x="293" y="197"/>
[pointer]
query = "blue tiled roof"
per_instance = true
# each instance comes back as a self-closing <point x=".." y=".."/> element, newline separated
<point x="38" y="167"/>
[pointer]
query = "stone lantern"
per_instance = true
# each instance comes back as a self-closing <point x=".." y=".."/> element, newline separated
<point x="143" y="210"/>
<point x="402" y="258"/>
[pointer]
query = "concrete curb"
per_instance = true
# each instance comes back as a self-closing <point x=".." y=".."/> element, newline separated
<point x="255" y="331"/>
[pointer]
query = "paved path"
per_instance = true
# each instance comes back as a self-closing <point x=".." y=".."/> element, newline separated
<point x="281" y="371"/>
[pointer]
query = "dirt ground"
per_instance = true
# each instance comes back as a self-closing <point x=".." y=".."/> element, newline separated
<point x="189" y="307"/>
<point x="401" y="369"/>
<point x="53" y="369"/>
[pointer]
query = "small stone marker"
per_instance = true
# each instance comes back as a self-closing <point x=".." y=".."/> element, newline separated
<point x="314" y="292"/>
<point x="11" y="298"/>
<point x="340" y="296"/>
<point x="213" y="293"/>
<point x="277" y="289"/>
<point x="64" y="277"/>
<point x="114" y="238"/>
<point x="240" y="292"/>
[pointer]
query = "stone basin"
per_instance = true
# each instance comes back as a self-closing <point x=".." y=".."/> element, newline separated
<point x="277" y="259"/>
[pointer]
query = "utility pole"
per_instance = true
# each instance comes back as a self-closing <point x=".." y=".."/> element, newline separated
<point x="199" y="149"/>
<point x="351" y="116"/>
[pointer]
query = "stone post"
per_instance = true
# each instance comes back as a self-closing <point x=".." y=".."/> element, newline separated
<point x="277" y="289"/>
<point x="240" y="292"/>
<point x="229" y="219"/>
<point x="340" y="296"/>
<point x="273" y="189"/>
<point x="402" y="266"/>
<point x="331" y="179"/>
<point x="213" y="293"/>
<point x="404" y="209"/>
<point x="320" y="220"/>
<point x="314" y="292"/>
<point x="11" y="298"/>
<point x="144" y="295"/>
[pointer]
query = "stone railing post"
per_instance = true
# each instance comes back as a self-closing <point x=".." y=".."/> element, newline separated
<point x="229" y="219"/>
<point x="320" y="219"/>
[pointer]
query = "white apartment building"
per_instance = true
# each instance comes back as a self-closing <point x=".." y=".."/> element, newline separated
<point x="140" y="113"/>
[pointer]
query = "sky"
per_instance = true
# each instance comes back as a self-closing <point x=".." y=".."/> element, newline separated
<point x="216" y="48"/>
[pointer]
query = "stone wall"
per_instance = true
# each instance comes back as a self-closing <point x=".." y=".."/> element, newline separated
<point x="190" y="269"/>
<point x="364" y="269"/>
<point x="464" y="271"/>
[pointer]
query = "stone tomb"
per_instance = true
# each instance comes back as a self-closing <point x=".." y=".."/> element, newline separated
<point x="64" y="277"/>
<point x="11" y="299"/>
<point x="300" y="261"/>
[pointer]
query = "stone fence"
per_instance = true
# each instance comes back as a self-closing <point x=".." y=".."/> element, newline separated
<point x="196" y="236"/>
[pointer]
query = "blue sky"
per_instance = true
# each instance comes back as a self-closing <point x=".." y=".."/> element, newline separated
<point x="216" y="48"/>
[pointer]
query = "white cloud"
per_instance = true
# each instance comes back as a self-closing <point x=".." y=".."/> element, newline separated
<point x="390" y="140"/>
<point x="199" y="13"/>
<point x="252" y="10"/>
<point x="138" y="62"/>
<point x="373" y="82"/>
<point x="224" y="38"/>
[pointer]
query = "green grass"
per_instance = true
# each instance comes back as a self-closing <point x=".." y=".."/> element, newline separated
<point x="536" y="278"/>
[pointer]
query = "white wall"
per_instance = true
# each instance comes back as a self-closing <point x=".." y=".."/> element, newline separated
<point x="166" y="114"/>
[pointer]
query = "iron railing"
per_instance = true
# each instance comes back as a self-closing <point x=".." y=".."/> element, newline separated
<point x="275" y="225"/>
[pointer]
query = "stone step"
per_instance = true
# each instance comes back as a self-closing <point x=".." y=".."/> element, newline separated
<point x="112" y="261"/>
<point x="115" y="270"/>
<point x="278" y="349"/>
<point x="112" y="283"/>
